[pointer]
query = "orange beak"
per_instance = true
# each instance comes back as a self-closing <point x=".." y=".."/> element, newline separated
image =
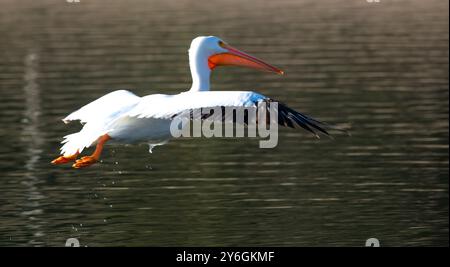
<point x="234" y="57"/>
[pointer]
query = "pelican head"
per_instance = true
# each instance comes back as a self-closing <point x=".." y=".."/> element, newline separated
<point x="209" y="52"/>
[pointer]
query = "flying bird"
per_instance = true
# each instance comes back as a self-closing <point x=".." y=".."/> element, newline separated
<point x="124" y="117"/>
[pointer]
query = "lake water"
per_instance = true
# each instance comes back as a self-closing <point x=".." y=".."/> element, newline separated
<point x="381" y="67"/>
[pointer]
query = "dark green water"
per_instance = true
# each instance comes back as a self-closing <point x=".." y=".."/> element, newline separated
<point x="382" y="67"/>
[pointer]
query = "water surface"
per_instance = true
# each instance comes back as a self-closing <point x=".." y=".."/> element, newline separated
<point x="382" y="67"/>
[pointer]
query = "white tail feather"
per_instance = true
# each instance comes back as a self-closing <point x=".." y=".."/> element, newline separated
<point x="76" y="142"/>
<point x="73" y="143"/>
<point x="96" y="117"/>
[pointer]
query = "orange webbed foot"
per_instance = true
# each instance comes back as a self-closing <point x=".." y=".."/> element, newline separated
<point x="64" y="159"/>
<point x="84" y="162"/>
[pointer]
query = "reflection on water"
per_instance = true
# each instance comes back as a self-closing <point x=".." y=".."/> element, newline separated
<point x="377" y="66"/>
<point x="32" y="140"/>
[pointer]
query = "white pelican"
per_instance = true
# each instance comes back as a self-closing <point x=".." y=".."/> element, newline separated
<point x="124" y="117"/>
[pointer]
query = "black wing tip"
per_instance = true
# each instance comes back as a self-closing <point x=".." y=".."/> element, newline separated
<point x="328" y="129"/>
<point x="344" y="129"/>
<point x="287" y="116"/>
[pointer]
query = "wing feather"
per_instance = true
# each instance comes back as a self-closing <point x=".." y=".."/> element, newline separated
<point x="169" y="106"/>
<point x="105" y="106"/>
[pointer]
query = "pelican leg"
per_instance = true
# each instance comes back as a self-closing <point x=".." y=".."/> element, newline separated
<point x="65" y="159"/>
<point x="89" y="160"/>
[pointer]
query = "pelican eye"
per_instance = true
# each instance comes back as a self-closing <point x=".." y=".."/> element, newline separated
<point x="221" y="44"/>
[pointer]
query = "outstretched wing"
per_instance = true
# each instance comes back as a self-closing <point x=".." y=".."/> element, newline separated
<point x="169" y="106"/>
<point x="104" y="107"/>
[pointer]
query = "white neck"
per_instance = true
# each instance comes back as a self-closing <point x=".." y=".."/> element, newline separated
<point x="198" y="62"/>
